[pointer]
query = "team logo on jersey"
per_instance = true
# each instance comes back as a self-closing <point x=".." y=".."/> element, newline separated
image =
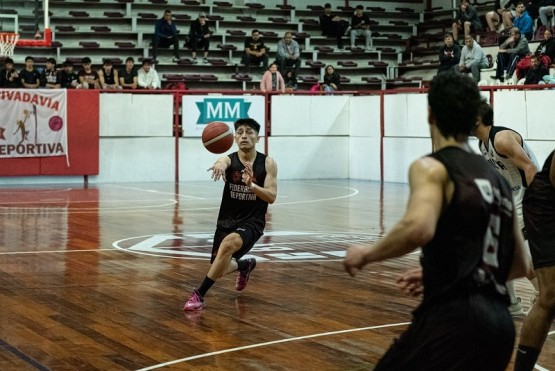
<point x="273" y="246"/>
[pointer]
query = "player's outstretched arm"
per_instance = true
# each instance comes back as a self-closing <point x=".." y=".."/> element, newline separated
<point x="219" y="168"/>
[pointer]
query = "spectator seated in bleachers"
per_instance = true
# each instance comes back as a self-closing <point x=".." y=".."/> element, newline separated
<point x="288" y="53"/>
<point x="9" y="78"/>
<point x="29" y="76"/>
<point x="147" y="77"/>
<point x="50" y="77"/>
<point x="108" y="76"/>
<point x="128" y="77"/>
<point x="333" y="25"/>
<point x="272" y="80"/>
<point x="545" y="53"/>
<point x="332" y="79"/>
<point x="510" y="52"/>
<point x="449" y="54"/>
<point x="69" y="79"/>
<point x="255" y="52"/>
<point x="499" y="15"/>
<point x="290" y="79"/>
<point x="523" y="21"/>
<point x="466" y="20"/>
<point x="88" y="78"/>
<point x="536" y="72"/>
<point x="199" y="37"/>
<point x="165" y="35"/>
<point x="360" y="26"/>
<point x="473" y="59"/>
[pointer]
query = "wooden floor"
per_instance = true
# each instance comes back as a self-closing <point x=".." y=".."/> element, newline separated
<point x="95" y="279"/>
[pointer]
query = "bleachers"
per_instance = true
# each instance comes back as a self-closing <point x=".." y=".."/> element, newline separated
<point x="117" y="29"/>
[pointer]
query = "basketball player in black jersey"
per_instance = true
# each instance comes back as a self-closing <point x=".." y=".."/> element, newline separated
<point x="539" y="219"/>
<point x="250" y="185"/>
<point x="460" y="211"/>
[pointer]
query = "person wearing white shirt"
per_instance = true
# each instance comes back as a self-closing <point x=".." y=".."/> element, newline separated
<point x="147" y="76"/>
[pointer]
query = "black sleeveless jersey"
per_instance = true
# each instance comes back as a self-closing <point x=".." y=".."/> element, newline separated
<point x="539" y="204"/>
<point x="473" y="245"/>
<point x="109" y="78"/>
<point x="240" y="205"/>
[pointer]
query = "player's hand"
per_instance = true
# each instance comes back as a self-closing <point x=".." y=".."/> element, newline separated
<point x="247" y="174"/>
<point x="410" y="282"/>
<point x="218" y="171"/>
<point x="354" y="260"/>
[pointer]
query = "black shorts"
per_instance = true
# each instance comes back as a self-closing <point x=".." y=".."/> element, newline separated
<point x="248" y="234"/>
<point x="471" y="333"/>
<point x="542" y="249"/>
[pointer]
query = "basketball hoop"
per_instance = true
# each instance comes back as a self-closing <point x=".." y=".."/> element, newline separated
<point x="7" y="43"/>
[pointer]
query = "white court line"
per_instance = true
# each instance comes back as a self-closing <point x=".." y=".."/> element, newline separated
<point x="160" y="192"/>
<point x="53" y="251"/>
<point x="268" y="343"/>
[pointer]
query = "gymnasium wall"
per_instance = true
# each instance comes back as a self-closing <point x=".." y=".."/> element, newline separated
<point x="312" y="137"/>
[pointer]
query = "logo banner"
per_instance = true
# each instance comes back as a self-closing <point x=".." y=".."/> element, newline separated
<point x="199" y="110"/>
<point x="33" y="123"/>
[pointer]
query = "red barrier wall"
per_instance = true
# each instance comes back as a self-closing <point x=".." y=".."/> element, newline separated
<point x="83" y="142"/>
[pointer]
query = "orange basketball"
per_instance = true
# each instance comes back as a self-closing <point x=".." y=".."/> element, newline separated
<point x="217" y="137"/>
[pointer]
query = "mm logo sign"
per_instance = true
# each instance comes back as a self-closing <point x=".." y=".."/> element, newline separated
<point x="222" y="109"/>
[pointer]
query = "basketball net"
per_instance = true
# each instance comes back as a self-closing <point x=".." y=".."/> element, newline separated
<point x="7" y="43"/>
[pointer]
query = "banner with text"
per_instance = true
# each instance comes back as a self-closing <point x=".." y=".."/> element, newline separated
<point x="33" y="123"/>
<point x="199" y="110"/>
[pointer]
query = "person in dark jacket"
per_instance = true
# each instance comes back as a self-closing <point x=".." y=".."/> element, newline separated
<point x="199" y="37"/>
<point x="165" y="35"/>
<point x="449" y="54"/>
<point x="331" y="79"/>
<point x="536" y="72"/>
<point x="467" y="20"/>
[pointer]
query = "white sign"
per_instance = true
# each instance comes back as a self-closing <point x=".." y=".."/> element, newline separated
<point x="199" y="110"/>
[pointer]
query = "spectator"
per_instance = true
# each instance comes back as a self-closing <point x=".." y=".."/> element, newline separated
<point x="523" y="21"/>
<point x="69" y="79"/>
<point x="500" y="14"/>
<point x="546" y="12"/>
<point x="290" y="79"/>
<point x="466" y="20"/>
<point x="288" y="53"/>
<point x="255" y="51"/>
<point x="360" y="26"/>
<point x="9" y="78"/>
<point x="510" y="52"/>
<point x="510" y="13"/>
<point x="128" y="76"/>
<point x="147" y="76"/>
<point x="165" y="35"/>
<point x="472" y="59"/>
<point x="272" y="80"/>
<point x="108" y="76"/>
<point x="331" y="79"/>
<point x="536" y="72"/>
<point x="50" y="76"/>
<point x="332" y="25"/>
<point x="545" y="52"/>
<point x="29" y="76"/>
<point x="449" y="54"/>
<point x="199" y="37"/>
<point x="88" y="78"/>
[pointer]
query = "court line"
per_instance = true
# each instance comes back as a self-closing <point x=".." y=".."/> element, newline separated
<point x="53" y="251"/>
<point x="268" y="343"/>
<point x="22" y="356"/>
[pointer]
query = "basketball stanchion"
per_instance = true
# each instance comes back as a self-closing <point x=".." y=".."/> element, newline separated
<point x="7" y="43"/>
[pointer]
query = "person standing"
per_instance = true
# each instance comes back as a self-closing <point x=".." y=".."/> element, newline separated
<point x="460" y="212"/>
<point x="250" y="185"/>
<point x="165" y="35"/>
<point x="512" y="158"/>
<point x="539" y="219"/>
<point x="449" y="54"/>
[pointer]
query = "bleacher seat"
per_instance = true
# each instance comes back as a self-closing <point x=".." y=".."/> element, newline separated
<point x="347" y="63"/>
<point x="113" y="14"/>
<point x="89" y="44"/>
<point x="255" y="5"/>
<point x="101" y="28"/>
<point x="78" y="14"/>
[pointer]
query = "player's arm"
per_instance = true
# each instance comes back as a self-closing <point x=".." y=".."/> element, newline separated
<point x="428" y="180"/>
<point x="508" y="144"/>
<point x="522" y="261"/>
<point x="219" y="168"/>
<point x="268" y="191"/>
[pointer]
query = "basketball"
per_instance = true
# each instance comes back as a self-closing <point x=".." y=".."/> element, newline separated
<point x="217" y="137"/>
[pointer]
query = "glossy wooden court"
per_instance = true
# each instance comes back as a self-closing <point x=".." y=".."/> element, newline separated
<point x="94" y="278"/>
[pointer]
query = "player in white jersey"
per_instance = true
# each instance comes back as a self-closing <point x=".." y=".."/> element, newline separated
<point x="508" y="153"/>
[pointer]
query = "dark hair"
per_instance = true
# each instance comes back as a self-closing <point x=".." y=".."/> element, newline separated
<point x="359" y="7"/>
<point x="328" y="5"/>
<point x="255" y="30"/>
<point x="454" y="100"/>
<point x="29" y="58"/>
<point x="328" y="66"/>
<point x="251" y="123"/>
<point x="8" y="60"/>
<point x="130" y="59"/>
<point x="107" y="62"/>
<point x="147" y="61"/>
<point x="51" y="60"/>
<point x="448" y="34"/>
<point x="67" y="63"/>
<point x="86" y="60"/>
<point x="485" y="112"/>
